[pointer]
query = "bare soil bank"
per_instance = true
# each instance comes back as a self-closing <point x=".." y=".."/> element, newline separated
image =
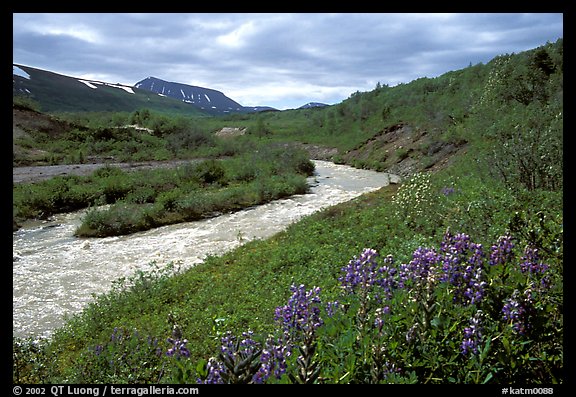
<point x="39" y="173"/>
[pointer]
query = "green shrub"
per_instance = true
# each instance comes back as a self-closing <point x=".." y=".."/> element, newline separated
<point x="25" y="102"/>
<point x="209" y="172"/>
<point x="117" y="219"/>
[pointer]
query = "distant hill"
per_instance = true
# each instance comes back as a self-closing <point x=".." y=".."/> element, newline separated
<point x="59" y="93"/>
<point x="313" y="105"/>
<point x="205" y="99"/>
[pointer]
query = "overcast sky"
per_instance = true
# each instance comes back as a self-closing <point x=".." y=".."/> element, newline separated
<point x="279" y="60"/>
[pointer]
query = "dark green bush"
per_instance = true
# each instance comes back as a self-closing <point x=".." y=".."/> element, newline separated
<point x="209" y="172"/>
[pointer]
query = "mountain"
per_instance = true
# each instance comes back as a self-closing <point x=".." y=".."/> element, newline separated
<point x="313" y="105"/>
<point x="59" y="93"/>
<point x="205" y="99"/>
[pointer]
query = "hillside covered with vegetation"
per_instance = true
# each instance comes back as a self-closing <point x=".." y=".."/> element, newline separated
<point x="453" y="276"/>
<point x="54" y="92"/>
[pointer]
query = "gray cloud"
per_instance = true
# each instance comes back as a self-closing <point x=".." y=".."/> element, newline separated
<point x="280" y="60"/>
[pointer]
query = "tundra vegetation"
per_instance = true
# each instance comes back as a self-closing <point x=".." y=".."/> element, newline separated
<point x="453" y="276"/>
<point x="124" y="202"/>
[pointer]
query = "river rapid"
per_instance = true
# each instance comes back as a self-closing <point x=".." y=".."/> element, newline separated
<point x="56" y="274"/>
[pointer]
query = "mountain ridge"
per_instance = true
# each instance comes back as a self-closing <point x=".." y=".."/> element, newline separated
<point x="206" y="99"/>
<point x="57" y="92"/>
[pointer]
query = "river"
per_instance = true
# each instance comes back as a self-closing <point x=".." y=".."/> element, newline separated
<point x="56" y="274"/>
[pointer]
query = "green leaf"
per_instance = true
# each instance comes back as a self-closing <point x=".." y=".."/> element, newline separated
<point x="506" y="344"/>
<point x="484" y="352"/>
<point x="201" y="368"/>
<point x="488" y="377"/>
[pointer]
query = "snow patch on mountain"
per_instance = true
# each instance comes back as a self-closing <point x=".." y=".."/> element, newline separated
<point x="88" y="83"/>
<point x="92" y="84"/>
<point x="310" y="105"/>
<point x="19" y="72"/>
<point x="123" y="87"/>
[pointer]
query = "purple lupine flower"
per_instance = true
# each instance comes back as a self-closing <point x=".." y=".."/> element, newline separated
<point x="361" y="271"/>
<point x="153" y="342"/>
<point x="455" y="245"/>
<point x="517" y="310"/>
<point x="391" y="368"/>
<point x="114" y="335"/>
<point x="178" y="348"/>
<point x="331" y="308"/>
<point x="545" y="282"/>
<point x="379" y="320"/>
<point x="388" y="281"/>
<point x="302" y="313"/>
<point x="501" y="252"/>
<point x="265" y="369"/>
<point x="472" y="335"/>
<point x="411" y="333"/>
<point x="463" y="268"/>
<point x="245" y="347"/>
<point x="379" y="323"/>
<point x="215" y="370"/>
<point x="98" y="350"/>
<point x="178" y="343"/>
<point x="299" y="320"/>
<point x="447" y="190"/>
<point x="511" y="310"/>
<point x="273" y="359"/>
<point x="475" y="290"/>
<point x="531" y="262"/>
<point x="235" y="353"/>
<point x="514" y="313"/>
<point x="420" y="269"/>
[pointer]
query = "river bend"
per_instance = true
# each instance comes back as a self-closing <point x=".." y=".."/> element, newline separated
<point x="56" y="274"/>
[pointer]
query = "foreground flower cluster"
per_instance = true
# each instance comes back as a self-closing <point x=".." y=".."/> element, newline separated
<point x="459" y="305"/>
